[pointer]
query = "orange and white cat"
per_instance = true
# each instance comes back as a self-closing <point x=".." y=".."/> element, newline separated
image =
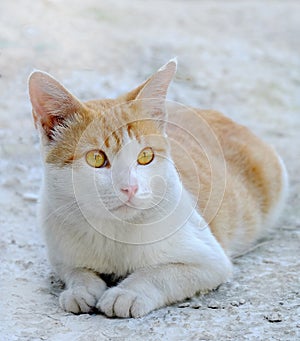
<point x="154" y="193"/>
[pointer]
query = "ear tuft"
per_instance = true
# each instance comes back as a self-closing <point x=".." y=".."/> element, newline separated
<point x="51" y="102"/>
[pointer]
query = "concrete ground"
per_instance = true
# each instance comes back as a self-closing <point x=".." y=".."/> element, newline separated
<point x="240" y="57"/>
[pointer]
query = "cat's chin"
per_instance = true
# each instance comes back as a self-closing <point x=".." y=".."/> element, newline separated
<point x="125" y="211"/>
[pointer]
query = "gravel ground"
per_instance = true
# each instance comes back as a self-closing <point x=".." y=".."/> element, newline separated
<point x="240" y="57"/>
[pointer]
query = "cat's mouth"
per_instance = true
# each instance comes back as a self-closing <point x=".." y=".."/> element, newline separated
<point x="129" y="207"/>
<point x="126" y="211"/>
<point x="136" y="204"/>
<point x="126" y="206"/>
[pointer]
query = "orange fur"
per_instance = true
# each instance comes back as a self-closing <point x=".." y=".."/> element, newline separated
<point x="144" y="218"/>
<point x="238" y="179"/>
<point x="252" y="167"/>
<point x="254" y="177"/>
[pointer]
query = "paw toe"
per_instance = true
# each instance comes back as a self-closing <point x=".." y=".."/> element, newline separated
<point x="77" y="300"/>
<point x="124" y="303"/>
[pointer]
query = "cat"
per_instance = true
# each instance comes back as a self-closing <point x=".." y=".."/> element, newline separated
<point x="154" y="193"/>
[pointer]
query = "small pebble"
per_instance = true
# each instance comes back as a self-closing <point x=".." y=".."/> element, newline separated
<point x="273" y="317"/>
<point x="214" y="305"/>
<point x="10" y="182"/>
<point x="21" y="168"/>
<point x="30" y="197"/>
<point x="242" y="301"/>
<point x="184" y="305"/>
<point x="235" y="303"/>
<point x="196" y="305"/>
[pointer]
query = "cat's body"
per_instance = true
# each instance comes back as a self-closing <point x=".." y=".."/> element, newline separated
<point x="249" y="178"/>
<point x="148" y="210"/>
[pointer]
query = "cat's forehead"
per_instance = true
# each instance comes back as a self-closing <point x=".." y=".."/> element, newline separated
<point x="116" y="125"/>
<point x="109" y="128"/>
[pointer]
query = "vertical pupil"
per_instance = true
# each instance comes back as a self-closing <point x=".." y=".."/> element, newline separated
<point x="97" y="157"/>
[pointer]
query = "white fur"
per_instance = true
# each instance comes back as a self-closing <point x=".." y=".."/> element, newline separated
<point x="167" y="249"/>
<point x="158" y="241"/>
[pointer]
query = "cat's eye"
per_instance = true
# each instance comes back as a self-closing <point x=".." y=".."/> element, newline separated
<point x="96" y="158"/>
<point x="146" y="156"/>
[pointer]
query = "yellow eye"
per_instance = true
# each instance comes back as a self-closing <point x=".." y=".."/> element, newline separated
<point x="96" y="158"/>
<point x="146" y="156"/>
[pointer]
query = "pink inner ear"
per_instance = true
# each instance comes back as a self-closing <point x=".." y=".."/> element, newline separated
<point x="157" y="85"/>
<point x="37" y="97"/>
<point x="51" y="102"/>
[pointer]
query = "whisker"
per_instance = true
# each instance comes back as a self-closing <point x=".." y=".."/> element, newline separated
<point x="61" y="209"/>
<point x="162" y="198"/>
<point x="68" y="215"/>
<point x="159" y="208"/>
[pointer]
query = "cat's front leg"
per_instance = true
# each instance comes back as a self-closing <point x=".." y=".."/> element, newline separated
<point x="84" y="288"/>
<point x="150" y="288"/>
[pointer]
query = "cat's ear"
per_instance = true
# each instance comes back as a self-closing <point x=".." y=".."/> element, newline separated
<point x="51" y="102"/>
<point x="154" y="91"/>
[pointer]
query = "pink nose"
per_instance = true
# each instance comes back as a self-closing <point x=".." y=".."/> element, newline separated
<point x="130" y="191"/>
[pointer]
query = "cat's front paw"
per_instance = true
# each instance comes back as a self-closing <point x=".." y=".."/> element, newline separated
<point x="79" y="299"/>
<point x="124" y="303"/>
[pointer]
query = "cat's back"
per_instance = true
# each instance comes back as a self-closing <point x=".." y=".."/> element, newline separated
<point x="239" y="180"/>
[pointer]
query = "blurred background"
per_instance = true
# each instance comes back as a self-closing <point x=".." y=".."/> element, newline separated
<point x="239" y="57"/>
<point x="236" y="56"/>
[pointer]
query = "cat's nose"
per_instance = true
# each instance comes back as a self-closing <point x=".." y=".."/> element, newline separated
<point x="130" y="191"/>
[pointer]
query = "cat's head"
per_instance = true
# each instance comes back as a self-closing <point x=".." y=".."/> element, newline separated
<point x="114" y="153"/>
